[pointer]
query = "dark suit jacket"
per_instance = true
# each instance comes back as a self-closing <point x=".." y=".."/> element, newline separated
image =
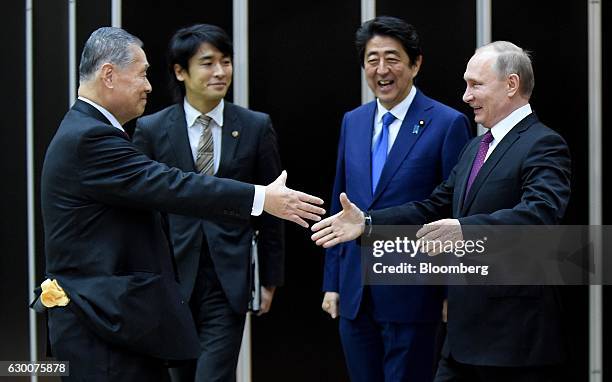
<point x="416" y="164"/>
<point x="526" y="180"/>
<point x="104" y="240"/>
<point x="252" y="156"/>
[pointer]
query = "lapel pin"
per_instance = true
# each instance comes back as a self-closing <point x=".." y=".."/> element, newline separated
<point x="235" y="134"/>
<point x="417" y="127"/>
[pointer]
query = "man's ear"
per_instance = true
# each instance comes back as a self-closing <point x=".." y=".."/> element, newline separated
<point x="417" y="64"/>
<point x="513" y="82"/>
<point x="106" y="73"/>
<point x="178" y="72"/>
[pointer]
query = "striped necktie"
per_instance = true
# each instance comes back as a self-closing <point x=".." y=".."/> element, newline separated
<point x="205" y="163"/>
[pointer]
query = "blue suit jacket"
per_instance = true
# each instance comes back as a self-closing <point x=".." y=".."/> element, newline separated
<point x="416" y="164"/>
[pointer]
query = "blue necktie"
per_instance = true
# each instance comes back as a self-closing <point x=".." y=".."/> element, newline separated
<point x="379" y="150"/>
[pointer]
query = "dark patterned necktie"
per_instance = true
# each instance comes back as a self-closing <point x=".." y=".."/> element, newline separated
<point x="205" y="163"/>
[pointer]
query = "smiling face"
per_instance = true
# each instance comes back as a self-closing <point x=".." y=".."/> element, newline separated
<point x="207" y="78"/>
<point x="488" y="95"/>
<point x="388" y="70"/>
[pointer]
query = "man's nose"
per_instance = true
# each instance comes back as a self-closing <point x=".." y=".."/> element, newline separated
<point x="148" y="87"/>
<point x="219" y="72"/>
<point x="382" y="67"/>
<point x="467" y="95"/>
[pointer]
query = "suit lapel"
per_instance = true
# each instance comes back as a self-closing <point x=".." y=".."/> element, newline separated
<point x="359" y="150"/>
<point x="230" y="136"/>
<point x="409" y="133"/>
<point x="491" y="162"/>
<point x="179" y="139"/>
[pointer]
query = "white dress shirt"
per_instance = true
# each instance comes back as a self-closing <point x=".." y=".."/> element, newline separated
<point x="502" y="127"/>
<point x="194" y="131"/>
<point x="399" y="112"/>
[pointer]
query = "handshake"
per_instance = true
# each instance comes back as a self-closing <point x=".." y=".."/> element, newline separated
<point x="295" y="206"/>
<point x="346" y="225"/>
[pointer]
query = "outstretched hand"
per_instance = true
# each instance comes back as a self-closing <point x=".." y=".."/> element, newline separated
<point x="344" y="226"/>
<point x="288" y="204"/>
<point x="444" y="230"/>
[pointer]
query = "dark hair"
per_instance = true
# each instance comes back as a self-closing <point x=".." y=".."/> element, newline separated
<point x="393" y="27"/>
<point x="185" y="44"/>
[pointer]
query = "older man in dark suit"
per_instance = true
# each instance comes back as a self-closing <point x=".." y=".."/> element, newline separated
<point x="518" y="172"/>
<point x="105" y="242"/>
<point x="204" y="133"/>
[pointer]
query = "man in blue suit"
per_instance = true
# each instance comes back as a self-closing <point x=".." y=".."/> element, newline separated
<point x="391" y="151"/>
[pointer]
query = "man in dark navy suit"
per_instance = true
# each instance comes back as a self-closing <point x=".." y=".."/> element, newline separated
<point x="517" y="173"/>
<point x="388" y="332"/>
<point x="211" y="256"/>
<point x="105" y="241"/>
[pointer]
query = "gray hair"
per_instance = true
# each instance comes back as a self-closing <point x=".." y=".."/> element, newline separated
<point x="106" y="44"/>
<point x="512" y="59"/>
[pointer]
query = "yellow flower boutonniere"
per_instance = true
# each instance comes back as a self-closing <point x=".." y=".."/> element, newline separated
<point x="53" y="294"/>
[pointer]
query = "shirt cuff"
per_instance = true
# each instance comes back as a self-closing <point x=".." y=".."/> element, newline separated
<point x="258" y="200"/>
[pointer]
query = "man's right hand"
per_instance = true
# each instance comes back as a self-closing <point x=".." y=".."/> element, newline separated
<point x="330" y="303"/>
<point x="289" y="204"/>
<point x="344" y="226"/>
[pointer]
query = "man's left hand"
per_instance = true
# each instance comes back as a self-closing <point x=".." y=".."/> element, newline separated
<point x="440" y="230"/>
<point x="267" y="294"/>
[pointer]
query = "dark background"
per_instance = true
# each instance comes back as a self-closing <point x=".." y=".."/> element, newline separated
<point x="305" y="73"/>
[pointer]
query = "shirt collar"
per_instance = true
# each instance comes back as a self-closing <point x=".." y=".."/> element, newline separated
<point x="191" y="113"/>
<point x="400" y="110"/>
<point x="502" y="127"/>
<point x="111" y="118"/>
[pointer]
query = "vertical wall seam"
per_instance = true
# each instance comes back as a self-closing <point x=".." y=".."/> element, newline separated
<point x="368" y="12"/>
<point x="484" y="25"/>
<point x="116" y="13"/>
<point x="72" y="82"/>
<point x="240" y="28"/>
<point x="29" y="88"/>
<point x="241" y="52"/>
<point x="595" y="188"/>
